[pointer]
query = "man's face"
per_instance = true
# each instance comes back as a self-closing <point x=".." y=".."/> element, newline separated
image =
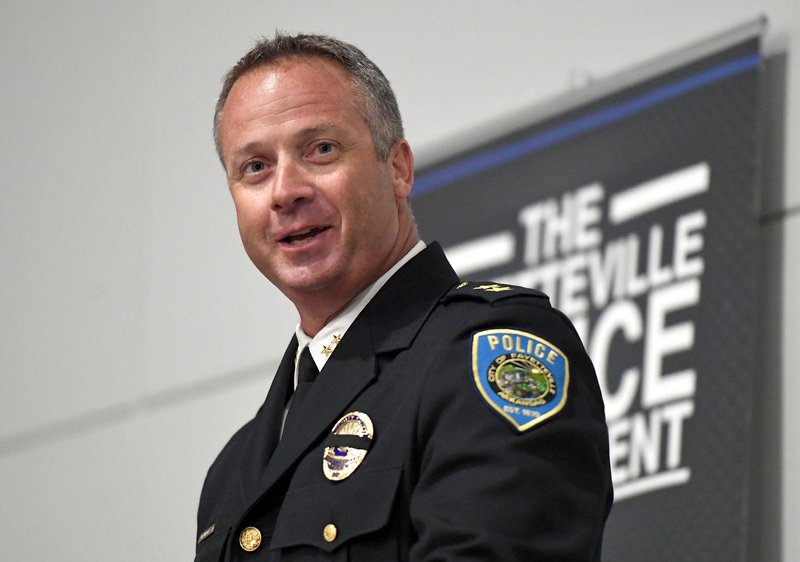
<point x="318" y="213"/>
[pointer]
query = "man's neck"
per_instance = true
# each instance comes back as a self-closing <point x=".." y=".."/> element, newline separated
<point x="316" y="312"/>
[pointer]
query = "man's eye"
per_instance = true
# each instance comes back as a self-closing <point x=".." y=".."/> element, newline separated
<point x="255" y="167"/>
<point x="325" y="148"/>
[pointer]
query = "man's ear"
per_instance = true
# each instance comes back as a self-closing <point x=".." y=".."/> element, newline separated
<point x="401" y="167"/>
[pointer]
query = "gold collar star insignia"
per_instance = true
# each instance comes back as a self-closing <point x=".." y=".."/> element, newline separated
<point x="493" y="288"/>
<point x="328" y="349"/>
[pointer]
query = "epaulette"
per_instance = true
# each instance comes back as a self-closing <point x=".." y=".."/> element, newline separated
<point x="488" y="291"/>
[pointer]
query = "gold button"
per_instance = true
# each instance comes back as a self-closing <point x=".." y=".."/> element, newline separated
<point x="250" y="539"/>
<point x="329" y="532"/>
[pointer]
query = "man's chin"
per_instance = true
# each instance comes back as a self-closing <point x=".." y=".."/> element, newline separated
<point x="305" y="283"/>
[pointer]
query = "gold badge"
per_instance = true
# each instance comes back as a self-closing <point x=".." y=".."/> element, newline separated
<point x="347" y="445"/>
<point x="250" y="539"/>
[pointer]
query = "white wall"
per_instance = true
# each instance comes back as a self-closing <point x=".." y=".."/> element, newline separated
<point x="136" y="336"/>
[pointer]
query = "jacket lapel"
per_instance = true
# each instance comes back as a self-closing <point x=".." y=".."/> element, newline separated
<point x="338" y="384"/>
<point x="265" y="435"/>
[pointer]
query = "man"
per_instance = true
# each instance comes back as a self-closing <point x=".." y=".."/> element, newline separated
<point x="449" y="420"/>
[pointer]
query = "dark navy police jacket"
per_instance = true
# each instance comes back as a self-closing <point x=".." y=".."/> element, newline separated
<point x="446" y="477"/>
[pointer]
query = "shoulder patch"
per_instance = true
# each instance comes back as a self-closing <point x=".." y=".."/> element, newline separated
<point x="488" y="291"/>
<point x="520" y="376"/>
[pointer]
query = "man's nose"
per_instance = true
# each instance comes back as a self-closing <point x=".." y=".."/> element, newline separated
<point x="291" y="186"/>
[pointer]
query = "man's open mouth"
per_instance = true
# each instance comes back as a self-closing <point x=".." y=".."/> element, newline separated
<point x="303" y="235"/>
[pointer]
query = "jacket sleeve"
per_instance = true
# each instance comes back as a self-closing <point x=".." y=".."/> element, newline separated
<point x="487" y="490"/>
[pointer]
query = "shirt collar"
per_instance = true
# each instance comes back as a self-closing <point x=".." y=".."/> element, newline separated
<point x="326" y="340"/>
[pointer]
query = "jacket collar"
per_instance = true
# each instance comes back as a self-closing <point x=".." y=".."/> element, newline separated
<point x="397" y="313"/>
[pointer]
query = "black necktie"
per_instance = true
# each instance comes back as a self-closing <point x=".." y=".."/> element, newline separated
<point x="306" y="373"/>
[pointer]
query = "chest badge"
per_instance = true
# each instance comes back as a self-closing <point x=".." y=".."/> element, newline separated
<point x="523" y="377"/>
<point x="347" y="445"/>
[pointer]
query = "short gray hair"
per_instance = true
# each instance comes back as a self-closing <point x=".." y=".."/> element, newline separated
<point x="374" y="94"/>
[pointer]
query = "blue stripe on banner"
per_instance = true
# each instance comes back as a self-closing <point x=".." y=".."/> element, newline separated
<point x="503" y="154"/>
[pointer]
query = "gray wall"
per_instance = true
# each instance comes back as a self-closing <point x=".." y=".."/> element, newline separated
<point x="136" y="335"/>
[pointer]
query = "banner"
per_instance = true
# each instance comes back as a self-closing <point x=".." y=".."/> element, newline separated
<point x="636" y="213"/>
